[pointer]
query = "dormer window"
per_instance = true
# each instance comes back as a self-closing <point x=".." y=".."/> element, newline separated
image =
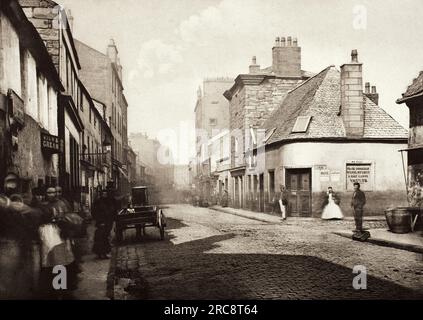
<point x="301" y="125"/>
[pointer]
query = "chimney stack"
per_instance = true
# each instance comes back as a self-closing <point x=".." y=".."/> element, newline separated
<point x="352" y="109"/>
<point x="367" y="87"/>
<point x="289" y="41"/>
<point x="112" y="51"/>
<point x="254" y="67"/>
<point x="373" y="95"/>
<point x="287" y="59"/>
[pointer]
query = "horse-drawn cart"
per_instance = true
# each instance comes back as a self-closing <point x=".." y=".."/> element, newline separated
<point x="139" y="215"/>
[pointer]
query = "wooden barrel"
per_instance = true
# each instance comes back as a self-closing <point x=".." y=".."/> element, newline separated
<point x="399" y="219"/>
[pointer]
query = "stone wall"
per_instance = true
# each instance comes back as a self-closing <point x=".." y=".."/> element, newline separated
<point x="262" y="100"/>
<point x="43" y="14"/>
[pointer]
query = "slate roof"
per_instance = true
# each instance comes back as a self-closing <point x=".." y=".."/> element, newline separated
<point x="416" y="88"/>
<point x="320" y="98"/>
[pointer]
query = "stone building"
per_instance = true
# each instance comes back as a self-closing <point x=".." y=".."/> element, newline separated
<point x="211" y="118"/>
<point x="131" y="161"/>
<point x="252" y="98"/>
<point x="328" y="132"/>
<point x="29" y="143"/>
<point x="157" y="161"/>
<point x="413" y="98"/>
<point x="54" y="26"/>
<point x="29" y="87"/>
<point x="95" y="139"/>
<point x="102" y="75"/>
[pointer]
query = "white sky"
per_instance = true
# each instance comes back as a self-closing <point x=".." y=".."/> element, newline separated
<point x="168" y="46"/>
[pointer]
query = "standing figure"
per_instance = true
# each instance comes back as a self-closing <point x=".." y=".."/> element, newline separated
<point x="331" y="210"/>
<point x="225" y="197"/>
<point x="56" y="248"/>
<point x="281" y="202"/>
<point x="357" y="203"/>
<point x="103" y="212"/>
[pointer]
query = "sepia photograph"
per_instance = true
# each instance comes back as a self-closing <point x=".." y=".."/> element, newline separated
<point x="203" y="157"/>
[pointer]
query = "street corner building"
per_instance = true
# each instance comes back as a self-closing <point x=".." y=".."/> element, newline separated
<point x="317" y="130"/>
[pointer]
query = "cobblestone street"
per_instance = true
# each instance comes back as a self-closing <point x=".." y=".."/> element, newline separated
<point x="213" y="255"/>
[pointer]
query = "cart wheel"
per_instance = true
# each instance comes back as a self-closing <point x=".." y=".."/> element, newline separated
<point x="162" y="233"/>
<point x="119" y="235"/>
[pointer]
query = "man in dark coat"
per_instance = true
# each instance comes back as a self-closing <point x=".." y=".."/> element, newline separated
<point x="104" y="211"/>
<point x="357" y="203"/>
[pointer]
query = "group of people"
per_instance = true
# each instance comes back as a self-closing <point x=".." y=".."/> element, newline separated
<point x="331" y="208"/>
<point x="48" y="218"/>
<point x="57" y="226"/>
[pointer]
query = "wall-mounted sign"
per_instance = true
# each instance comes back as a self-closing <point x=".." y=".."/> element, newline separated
<point x="361" y="173"/>
<point x="50" y="144"/>
<point x="321" y="167"/>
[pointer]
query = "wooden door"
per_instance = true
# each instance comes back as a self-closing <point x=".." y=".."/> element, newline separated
<point x="298" y="184"/>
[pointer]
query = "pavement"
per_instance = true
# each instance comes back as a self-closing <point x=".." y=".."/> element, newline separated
<point x="380" y="236"/>
<point x="92" y="284"/>
<point x="210" y="254"/>
<point x="410" y="241"/>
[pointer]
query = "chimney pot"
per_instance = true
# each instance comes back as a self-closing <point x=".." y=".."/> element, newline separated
<point x="254" y="60"/>
<point x="367" y="87"/>
<point x="354" y="55"/>
<point x="277" y="42"/>
<point x="289" y="42"/>
<point x="295" y="42"/>
<point x="374" y="89"/>
<point x="283" y="43"/>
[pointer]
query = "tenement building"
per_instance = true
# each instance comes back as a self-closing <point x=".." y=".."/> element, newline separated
<point x="29" y="89"/>
<point x="29" y="142"/>
<point x="102" y="75"/>
<point x="252" y="98"/>
<point x="54" y="26"/>
<point x="211" y="119"/>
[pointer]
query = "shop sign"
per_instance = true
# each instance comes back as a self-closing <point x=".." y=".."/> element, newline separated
<point x="50" y="144"/>
<point x="361" y="173"/>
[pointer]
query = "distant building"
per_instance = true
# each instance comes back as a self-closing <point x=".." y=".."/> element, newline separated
<point x="102" y="75"/>
<point x="157" y="161"/>
<point x="181" y="177"/>
<point x="211" y="118"/>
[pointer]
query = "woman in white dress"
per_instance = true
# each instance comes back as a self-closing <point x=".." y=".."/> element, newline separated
<point x="331" y="210"/>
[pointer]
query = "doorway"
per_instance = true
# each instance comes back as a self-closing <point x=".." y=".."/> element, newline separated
<point x="298" y="184"/>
